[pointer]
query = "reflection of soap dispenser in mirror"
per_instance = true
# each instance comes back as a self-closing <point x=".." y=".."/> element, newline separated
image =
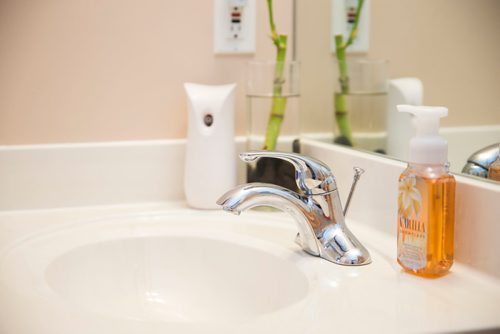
<point x="494" y="169"/>
<point x="210" y="149"/>
<point x="426" y="201"/>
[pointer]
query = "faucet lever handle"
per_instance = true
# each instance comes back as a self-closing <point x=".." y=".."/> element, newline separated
<point x="313" y="177"/>
<point x="357" y="174"/>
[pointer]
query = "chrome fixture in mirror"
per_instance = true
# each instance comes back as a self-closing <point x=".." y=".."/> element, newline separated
<point x="480" y="161"/>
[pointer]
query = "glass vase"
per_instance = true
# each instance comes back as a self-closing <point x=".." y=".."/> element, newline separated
<point x="272" y="94"/>
<point x="365" y="103"/>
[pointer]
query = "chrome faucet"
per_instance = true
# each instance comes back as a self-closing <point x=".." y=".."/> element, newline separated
<point x="479" y="162"/>
<point x="317" y="210"/>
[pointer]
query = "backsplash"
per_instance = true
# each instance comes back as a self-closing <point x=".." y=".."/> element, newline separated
<point x="66" y="175"/>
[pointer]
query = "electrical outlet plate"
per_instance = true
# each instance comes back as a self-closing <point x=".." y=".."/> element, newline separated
<point x="234" y="26"/>
<point x="342" y="12"/>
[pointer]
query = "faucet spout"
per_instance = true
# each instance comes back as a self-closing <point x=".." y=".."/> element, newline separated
<point x="252" y="195"/>
<point x="322" y="231"/>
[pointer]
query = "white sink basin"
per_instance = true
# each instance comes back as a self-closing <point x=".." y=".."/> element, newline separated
<point x="176" y="278"/>
<point x="162" y="269"/>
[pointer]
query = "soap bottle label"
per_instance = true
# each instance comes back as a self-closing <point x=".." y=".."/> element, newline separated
<point x="412" y="229"/>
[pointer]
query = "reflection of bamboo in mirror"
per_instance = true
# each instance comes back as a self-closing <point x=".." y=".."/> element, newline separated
<point x="279" y="101"/>
<point x="341" y="110"/>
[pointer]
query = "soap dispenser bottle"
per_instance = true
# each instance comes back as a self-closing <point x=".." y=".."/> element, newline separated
<point x="426" y="199"/>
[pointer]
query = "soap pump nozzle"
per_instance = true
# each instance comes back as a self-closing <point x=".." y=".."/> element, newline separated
<point x="427" y="147"/>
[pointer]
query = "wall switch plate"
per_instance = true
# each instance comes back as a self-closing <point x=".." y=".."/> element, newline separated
<point x="343" y="13"/>
<point x="234" y="26"/>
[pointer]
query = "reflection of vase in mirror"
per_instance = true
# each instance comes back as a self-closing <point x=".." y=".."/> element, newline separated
<point x="366" y="102"/>
<point x="262" y="100"/>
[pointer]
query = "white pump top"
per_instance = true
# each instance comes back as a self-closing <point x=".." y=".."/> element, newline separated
<point x="427" y="147"/>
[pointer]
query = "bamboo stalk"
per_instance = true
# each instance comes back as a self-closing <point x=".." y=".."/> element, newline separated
<point x="278" y="105"/>
<point x="340" y="99"/>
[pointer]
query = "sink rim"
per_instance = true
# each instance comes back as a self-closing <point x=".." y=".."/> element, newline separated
<point x="256" y="218"/>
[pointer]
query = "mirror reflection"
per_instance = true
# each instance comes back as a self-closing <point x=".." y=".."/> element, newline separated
<point x="439" y="53"/>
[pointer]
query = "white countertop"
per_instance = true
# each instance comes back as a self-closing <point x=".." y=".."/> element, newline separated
<point x="89" y="182"/>
<point x="379" y="297"/>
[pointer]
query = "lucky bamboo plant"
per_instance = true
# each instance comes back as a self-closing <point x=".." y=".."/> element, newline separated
<point x="278" y="104"/>
<point x="270" y="170"/>
<point x="341" y="108"/>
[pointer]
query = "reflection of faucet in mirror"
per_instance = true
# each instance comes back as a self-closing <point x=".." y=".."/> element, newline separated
<point x="317" y="210"/>
<point x="480" y="161"/>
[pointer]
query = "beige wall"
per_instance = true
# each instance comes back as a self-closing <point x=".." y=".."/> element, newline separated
<point x="453" y="46"/>
<point x="79" y="70"/>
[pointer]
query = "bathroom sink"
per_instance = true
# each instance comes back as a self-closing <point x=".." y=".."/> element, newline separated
<point x="176" y="278"/>
<point x="192" y="272"/>
<point x="175" y="269"/>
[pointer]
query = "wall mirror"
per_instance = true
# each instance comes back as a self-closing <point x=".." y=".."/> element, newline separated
<point x="448" y="45"/>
